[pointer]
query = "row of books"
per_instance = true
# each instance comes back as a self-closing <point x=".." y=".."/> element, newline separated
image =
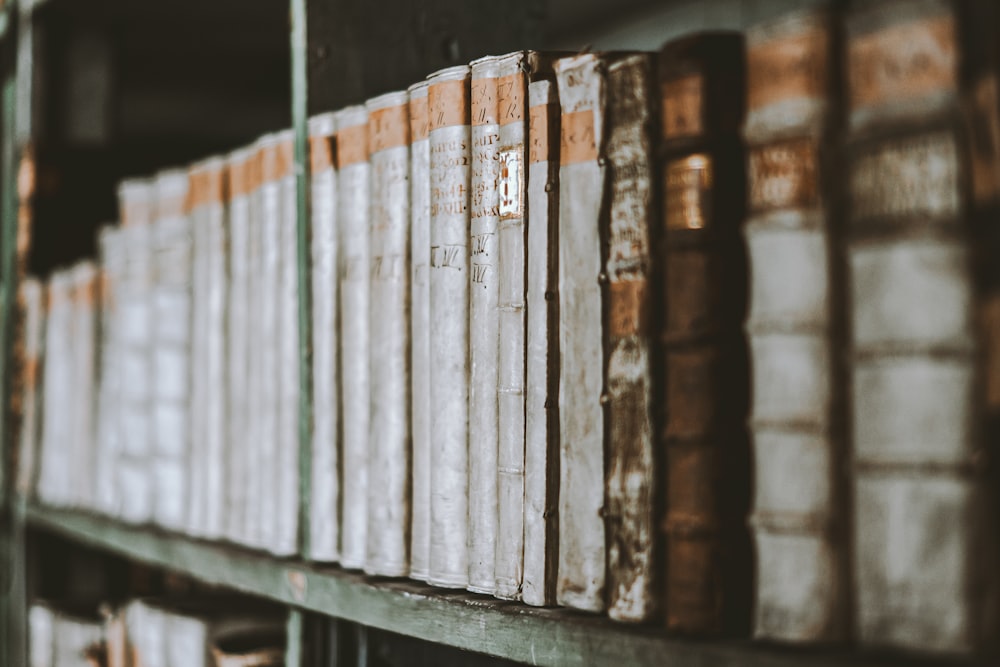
<point x="706" y="335"/>
<point x="200" y="631"/>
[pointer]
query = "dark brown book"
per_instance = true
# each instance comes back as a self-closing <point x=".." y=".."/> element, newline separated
<point x="701" y="300"/>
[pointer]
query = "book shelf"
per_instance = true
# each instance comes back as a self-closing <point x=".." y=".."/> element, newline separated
<point x="334" y="60"/>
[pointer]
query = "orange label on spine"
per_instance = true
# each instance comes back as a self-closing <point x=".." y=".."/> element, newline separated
<point x="320" y="153"/>
<point x="538" y="132"/>
<point x="784" y="175"/>
<point x="682" y="106"/>
<point x="578" y="141"/>
<point x="788" y="68"/>
<point x="903" y="62"/>
<point x="628" y="307"/>
<point x="688" y="186"/>
<point x="418" y="118"/>
<point x="239" y="177"/>
<point x="510" y="98"/>
<point x="448" y="103"/>
<point x="484" y="101"/>
<point x="389" y="127"/>
<point x="352" y="145"/>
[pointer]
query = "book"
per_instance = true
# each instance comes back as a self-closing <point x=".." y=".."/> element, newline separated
<point x="41" y="626"/>
<point x="81" y="446"/>
<point x="32" y="299"/>
<point x="923" y="538"/>
<point x="239" y="411"/>
<point x="630" y="515"/>
<point x="583" y="169"/>
<point x="324" y="517"/>
<point x="55" y="482"/>
<point x="795" y="328"/>
<point x="353" y="219"/>
<point x="420" y="350"/>
<point x="484" y="323"/>
<point x="135" y="200"/>
<point x="449" y="173"/>
<point x="389" y="447"/>
<point x="702" y="280"/>
<point x="541" y="446"/>
<point x="111" y="261"/>
<point x="171" y="302"/>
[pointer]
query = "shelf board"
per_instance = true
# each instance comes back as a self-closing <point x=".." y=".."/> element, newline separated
<point x="463" y="620"/>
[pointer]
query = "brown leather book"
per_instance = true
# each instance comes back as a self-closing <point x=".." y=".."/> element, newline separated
<point x="920" y="118"/>
<point x="700" y="302"/>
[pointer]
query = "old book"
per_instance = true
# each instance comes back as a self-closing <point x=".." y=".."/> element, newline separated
<point x="171" y="300"/>
<point x="389" y="447"/>
<point x="108" y="440"/>
<point x="32" y="298"/>
<point x="630" y="515"/>
<point x="41" y="626"/>
<point x="77" y="638"/>
<point x="238" y="338"/>
<point x="82" y="449"/>
<point x="924" y="539"/>
<point x="286" y="528"/>
<point x="54" y="463"/>
<point x="324" y="518"/>
<point x="484" y="323"/>
<point x="581" y="569"/>
<point x="702" y="280"/>
<point x="541" y="445"/>
<point x="794" y="325"/>
<point x="420" y="350"/>
<point x="135" y="200"/>
<point x="450" y="143"/>
<point x="206" y="463"/>
<point x="353" y="220"/>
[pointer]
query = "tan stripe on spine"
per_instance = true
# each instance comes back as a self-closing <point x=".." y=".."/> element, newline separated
<point x="578" y="143"/>
<point x="321" y="149"/>
<point x="538" y="132"/>
<point x="448" y="103"/>
<point x="510" y="98"/>
<point x="418" y="118"/>
<point x="352" y="145"/>
<point x="483" y="94"/>
<point x="389" y="127"/>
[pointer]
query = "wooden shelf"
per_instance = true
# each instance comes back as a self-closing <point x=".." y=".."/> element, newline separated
<point x="459" y="619"/>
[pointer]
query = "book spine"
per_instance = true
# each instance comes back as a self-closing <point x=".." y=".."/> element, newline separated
<point x="325" y="487"/>
<point x="450" y="142"/>
<point x="484" y="326"/>
<point x="197" y="463"/>
<point x="389" y="451"/>
<point x="83" y="454"/>
<point x="512" y="158"/>
<point x="54" y="481"/>
<point x="110" y="242"/>
<point x="703" y="281"/>
<point x="32" y="297"/>
<point x="581" y="569"/>
<point x="238" y="336"/>
<point x="630" y="521"/>
<point x="353" y="221"/>
<point x="541" y="448"/>
<point x="420" y="349"/>
<point x="794" y="330"/>
<point x="915" y="374"/>
<point x="286" y="527"/>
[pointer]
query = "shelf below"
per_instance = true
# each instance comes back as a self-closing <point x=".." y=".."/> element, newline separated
<point x="463" y="620"/>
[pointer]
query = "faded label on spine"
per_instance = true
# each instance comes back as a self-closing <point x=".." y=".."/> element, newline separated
<point x="388" y="127"/>
<point x="510" y="184"/>
<point x="510" y="98"/>
<point x="352" y="145"/>
<point x="538" y="133"/>
<point x="448" y="103"/>
<point x="903" y="62"/>
<point x="784" y="175"/>
<point x="628" y="309"/>
<point x="912" y="176"/>
<point x="682" y="106"/>
<point x="688" y="186"/>
<point x="787" y="68"/>
<point x="579" y="143"/>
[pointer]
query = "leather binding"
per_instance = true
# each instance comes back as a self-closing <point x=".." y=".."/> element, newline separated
<point x="541" y="446"/>
<point x="450" y="144"/>
<point x="353" y="222"/>
<point x="924" y="536"/>
<point x="795" y="327"/>
<point x="630" y="516"/>
<point x="702" y="355"/>
<point x="420" y="350"/>
<point x="324" y="517"/>
<point x="484" y="324"/>
<point x="389" y="448"/>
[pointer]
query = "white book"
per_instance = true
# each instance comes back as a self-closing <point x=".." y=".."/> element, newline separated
<point x="581" y="381"/>
<point x="238" y="335"/>
<point x="41" y="636"/>
<point x="75" y="638"/>
<point x="512" y="166"/>
<point x="197" y="473"/>
<point x="286" y="527"/>
<point x="448" y="106"/>
<point x="324" y="518"/>
<point x="31" y="294"/>
<point x="108" y="438"/>
<point x="54" y="478"/>
<point x="420" y="351"/>
<point x="484" y="324"/>
<point x="172" y="344"/>
<point x="389" y="445"/>
<point x="353" y="227"/>
<point x="541" y="453"/>
<point x="82" y="457"/>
